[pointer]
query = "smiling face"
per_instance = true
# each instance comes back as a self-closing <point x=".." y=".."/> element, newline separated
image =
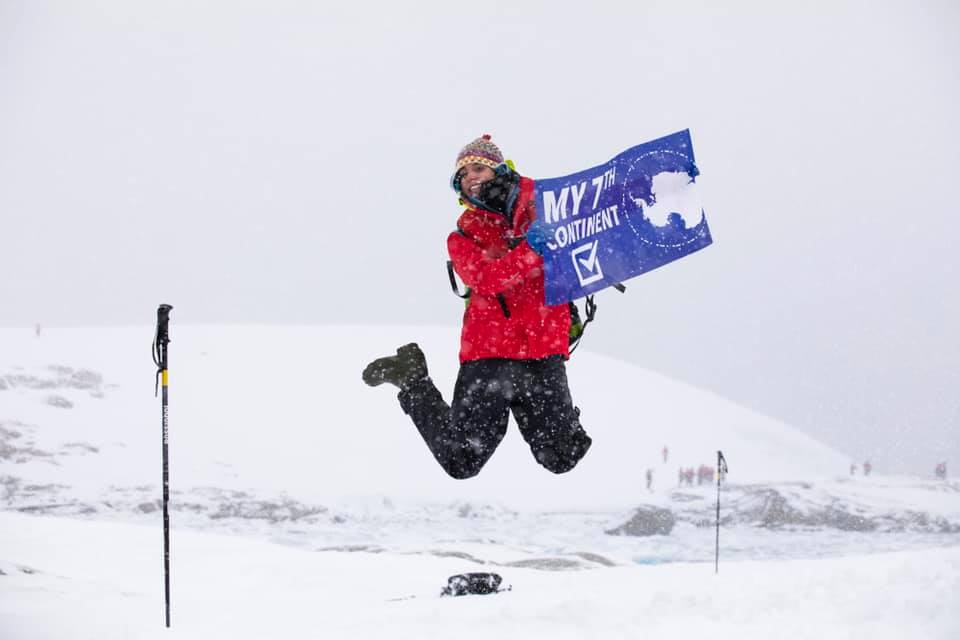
<point x="472" y="176"/>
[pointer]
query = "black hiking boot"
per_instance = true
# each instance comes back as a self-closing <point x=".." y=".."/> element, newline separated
<point x="401" y="370"/>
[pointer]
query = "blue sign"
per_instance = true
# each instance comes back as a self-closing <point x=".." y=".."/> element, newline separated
<point x="620" y="219"/>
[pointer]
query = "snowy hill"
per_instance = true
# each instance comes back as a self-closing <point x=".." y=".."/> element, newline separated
<point x="285" y="409"/>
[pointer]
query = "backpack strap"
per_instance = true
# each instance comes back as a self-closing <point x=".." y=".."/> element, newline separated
<point x="590" y="308"/>
<point x="453" y="282"/>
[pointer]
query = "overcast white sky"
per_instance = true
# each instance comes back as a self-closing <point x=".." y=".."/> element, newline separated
<point x="287" y="162"/>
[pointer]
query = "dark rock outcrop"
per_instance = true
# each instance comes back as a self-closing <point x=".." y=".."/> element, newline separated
<point x="646" y="521"/>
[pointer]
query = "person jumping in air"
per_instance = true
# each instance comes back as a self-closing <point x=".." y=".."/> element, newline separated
<point x="513" y="347"/>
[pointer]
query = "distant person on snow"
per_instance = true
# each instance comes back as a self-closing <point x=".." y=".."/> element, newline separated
<point x="941" y="471"/>
<point x="513" y="347"/>
<point x="867" y="468"/>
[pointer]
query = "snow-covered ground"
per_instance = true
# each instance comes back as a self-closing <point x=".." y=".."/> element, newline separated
<point x="305" y="505"/>
<point x="75" y="579"/>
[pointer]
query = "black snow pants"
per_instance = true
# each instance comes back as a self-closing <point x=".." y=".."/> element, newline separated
<point x="464" y="435"/>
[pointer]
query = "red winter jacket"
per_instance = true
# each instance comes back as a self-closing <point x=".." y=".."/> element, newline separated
<point x="481" y="256"/>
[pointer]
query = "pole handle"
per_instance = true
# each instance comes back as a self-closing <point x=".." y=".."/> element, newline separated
<point x="160" y="341"/>
<point x="163" y="323"/>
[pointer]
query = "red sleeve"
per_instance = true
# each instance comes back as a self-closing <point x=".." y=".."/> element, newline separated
<point x="490" y="277"/>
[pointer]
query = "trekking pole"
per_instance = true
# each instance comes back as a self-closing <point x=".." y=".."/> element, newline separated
<point x="160" y="342"/>
<point x="721" y="471"/>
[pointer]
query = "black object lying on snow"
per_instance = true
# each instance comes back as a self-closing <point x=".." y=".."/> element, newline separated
<point x="464" y="584"/>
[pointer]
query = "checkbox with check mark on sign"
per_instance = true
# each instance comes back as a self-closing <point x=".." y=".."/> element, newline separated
<point x="587" y="263"/>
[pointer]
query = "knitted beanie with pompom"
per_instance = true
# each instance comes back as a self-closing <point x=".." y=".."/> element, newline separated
<point x="480" y="151"/>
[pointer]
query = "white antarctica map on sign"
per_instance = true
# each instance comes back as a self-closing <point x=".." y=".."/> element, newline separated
<point x="673" y="192"/>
